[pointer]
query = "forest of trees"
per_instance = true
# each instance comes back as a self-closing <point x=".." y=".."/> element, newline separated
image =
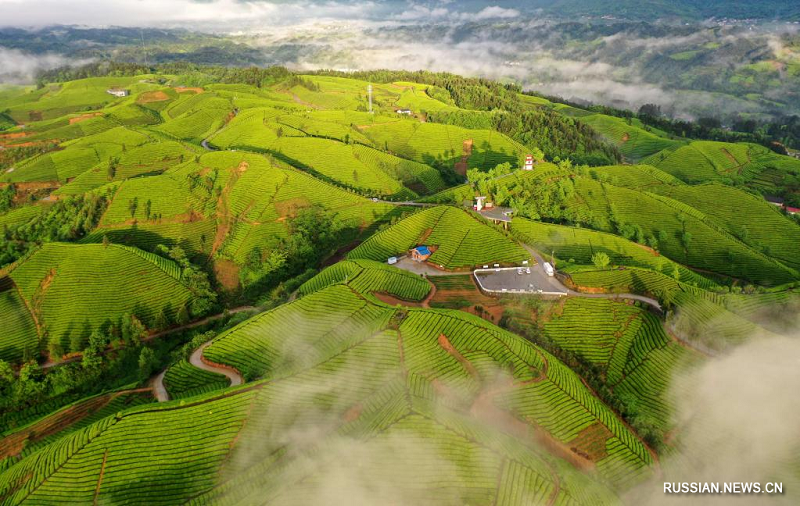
<point x="201" y="74"/>
<point x="776" y="135"/>
<point x="66" y="220"/>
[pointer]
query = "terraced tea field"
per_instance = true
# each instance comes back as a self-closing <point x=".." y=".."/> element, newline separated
<point x="629" y="345"/>
<point x="361" y="376"/>
<point x="388" y="378"/>
<point x="633" y="140"/>
<point x="20" y="332"/>
<point x="184" y="380"/>
<point x="460" y="239"/>
<point x="579" y="245"/>
<point x="366" y="276"/>
<point x="76" y="288"/>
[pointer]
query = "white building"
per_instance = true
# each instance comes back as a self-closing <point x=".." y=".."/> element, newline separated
<point x="528" y="162"/>
<point x="118" y="92"/>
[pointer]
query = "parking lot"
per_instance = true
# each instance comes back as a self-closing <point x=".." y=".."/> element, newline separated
<point x="516" y="280"/>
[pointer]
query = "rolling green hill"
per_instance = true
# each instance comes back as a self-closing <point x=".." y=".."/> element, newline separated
<point x="400" y="399"/>
<point x="765" y="229"/>
<point x="633" y="140"/>
<point x="74" y="289"/>
<point x="707" y="161"/>
<point x="676" y="228"/>
<point x="459" y="240"/>
<point x="280" y="198"/>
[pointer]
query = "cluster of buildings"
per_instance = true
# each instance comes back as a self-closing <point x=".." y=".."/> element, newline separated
<point x="497" y="214"/>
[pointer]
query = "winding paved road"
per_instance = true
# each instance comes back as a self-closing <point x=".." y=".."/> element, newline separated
<point x="208" y="319"/>
<point x="159" y="390"/>
<point x="196" y="359"/>
<point x="559" y="286"/>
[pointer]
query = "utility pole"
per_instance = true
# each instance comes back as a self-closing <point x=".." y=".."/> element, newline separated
<point x="369" y="92"/>
<point x="144" y="51"/>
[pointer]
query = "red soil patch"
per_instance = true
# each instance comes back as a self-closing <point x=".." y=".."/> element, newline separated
<point x="31" y="144"/>
<point x="15" y="135"/>
<point x="187" y="89"/>
<point x="224" y="220"/>
<point x="484" y="408"/>
<point x="34" y="185"/>
<point x="584" y="289"/>
<point x="424" y="236"/>
<point x="491" y="309"/>
<point x="489" y="313"/>
<point x="152" y="96"/>
<point x="590" y="443"/>
<point x="353" y="413"/>
<point x="13" y="444"/>
<point x="84" y="117"/>
<point x="227" y="274"/>
<point x="461" y="166"/>
<point x="100" y="478"/>
<point x="219" y="366"/>
<point x="394" y="301"/>
<point x="45" y="284"/>
<point x="648" y="249"/>
<point x="289" y="208"/>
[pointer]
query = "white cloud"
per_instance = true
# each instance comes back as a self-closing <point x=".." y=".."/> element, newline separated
<point x="494" y="12"/>
<point x="423" y="13"/>
<point x="19" y="67"/>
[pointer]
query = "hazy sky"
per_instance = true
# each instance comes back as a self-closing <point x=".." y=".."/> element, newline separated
<point x="230" y="14"/>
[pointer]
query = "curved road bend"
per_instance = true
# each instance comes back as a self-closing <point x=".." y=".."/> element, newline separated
<point x="196" y="359"/>
<point x="159" y="390"/>
<point x="208" y="319"/>
<point x="559" y="286"/>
